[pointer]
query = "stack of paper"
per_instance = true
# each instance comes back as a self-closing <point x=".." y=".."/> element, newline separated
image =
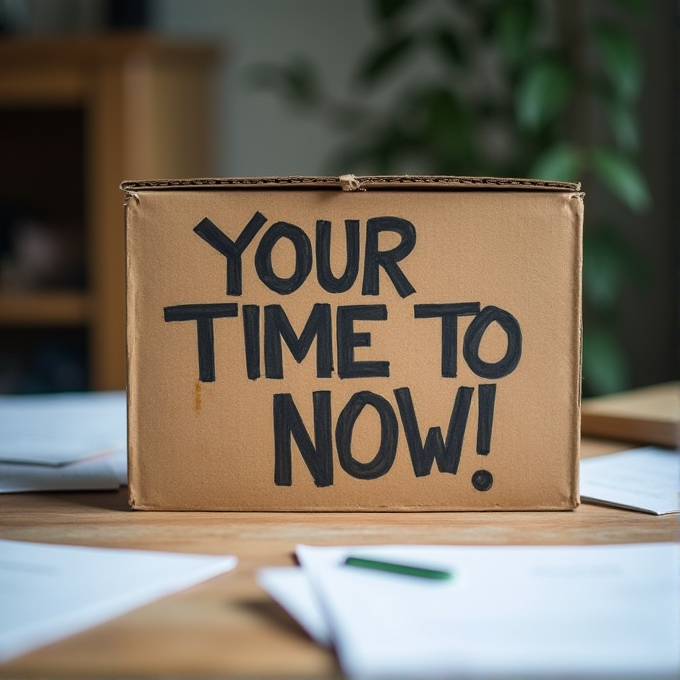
<point x="645" y="479"/>
<point x="520" y="612"/>
<point x="52" y="591"/>
<point x="63" y="442"/>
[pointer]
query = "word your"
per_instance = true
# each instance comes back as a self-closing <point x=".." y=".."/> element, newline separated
<point x="374" y="258"/>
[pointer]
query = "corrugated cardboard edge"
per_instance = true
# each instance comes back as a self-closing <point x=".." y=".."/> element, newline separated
<point x="576" y="501"/>
<point x="131" y="200"/>
<point x="352" y="183"/>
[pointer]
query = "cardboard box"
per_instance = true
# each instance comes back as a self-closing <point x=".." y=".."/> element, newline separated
<point x="372" y="343"/>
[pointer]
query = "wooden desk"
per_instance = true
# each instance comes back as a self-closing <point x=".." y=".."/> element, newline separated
<point x="228" y="626"/>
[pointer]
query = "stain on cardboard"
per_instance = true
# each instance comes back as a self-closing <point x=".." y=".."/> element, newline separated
<point x="197" y="396"/>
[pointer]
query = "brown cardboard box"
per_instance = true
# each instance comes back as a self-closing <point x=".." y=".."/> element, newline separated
<point x="407" y="343"/>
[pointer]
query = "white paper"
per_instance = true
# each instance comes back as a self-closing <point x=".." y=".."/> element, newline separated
<point x="646" y="479"/>
<point x="525" y="612"/>
<point x="118" y="461"/>
<point x="49" y="592"/>
<point x="104" y="472"/>
<point x="291" y="588"/>
<point x="56" y="429"/>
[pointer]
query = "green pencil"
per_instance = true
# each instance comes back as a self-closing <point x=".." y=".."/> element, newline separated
<point x="405" y="569"/>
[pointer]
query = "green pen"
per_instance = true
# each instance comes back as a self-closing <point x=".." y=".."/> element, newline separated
<point x="405" y="569"/>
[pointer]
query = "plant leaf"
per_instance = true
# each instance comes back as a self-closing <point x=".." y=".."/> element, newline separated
<point x="387" y="10"/>
<point x="514" y="25"/>
<point x="603" y="270"/>
<point x="385" y="58"/>
<point x="610" y="260"/>
<point x="297" y="81"/>
<point x="620" y="174"/>
<point x="605" y="368"/>
<point x="542" y="93"/>
<point x="622" y="122"/>
<point x="562" y="162"/>
<point x="449" y="45"/>
<point x="637" y="6"/>
<point x="449" y="134"/>
<point x="620" y="58"/>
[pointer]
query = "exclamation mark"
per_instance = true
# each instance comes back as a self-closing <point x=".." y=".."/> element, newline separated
<point x="482" y="480"/>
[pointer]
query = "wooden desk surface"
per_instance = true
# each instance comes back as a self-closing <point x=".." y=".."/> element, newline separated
<point x="228" y="626"/>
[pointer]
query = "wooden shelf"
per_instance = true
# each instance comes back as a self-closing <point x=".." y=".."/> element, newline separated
<point x="68" y="308"/>
<point x="80" y="115"/>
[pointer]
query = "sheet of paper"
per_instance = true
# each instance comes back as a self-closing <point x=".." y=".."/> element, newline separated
<point x="645" y="479"/>
<point x="529" y="612"/>
<point x="103" y="472"/>
<point x="50" y="592"/>
<point x="118" y="461"/>
<point x="56" y="429"/>
<point x="291" y="588"/>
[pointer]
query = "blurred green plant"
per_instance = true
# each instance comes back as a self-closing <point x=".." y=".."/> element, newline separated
<point x="516" y="88"/>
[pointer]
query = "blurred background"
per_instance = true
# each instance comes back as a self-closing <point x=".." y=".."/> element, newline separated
<point x="96" y="91"/>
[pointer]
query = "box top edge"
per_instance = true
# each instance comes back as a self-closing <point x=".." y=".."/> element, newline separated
<point x="351" y="183"/>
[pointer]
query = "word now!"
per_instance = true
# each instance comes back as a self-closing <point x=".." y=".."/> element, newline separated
<point x="318" y="454"/>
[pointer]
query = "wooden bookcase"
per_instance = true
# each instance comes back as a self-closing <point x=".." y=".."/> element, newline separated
<point x="78" y="116"/>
